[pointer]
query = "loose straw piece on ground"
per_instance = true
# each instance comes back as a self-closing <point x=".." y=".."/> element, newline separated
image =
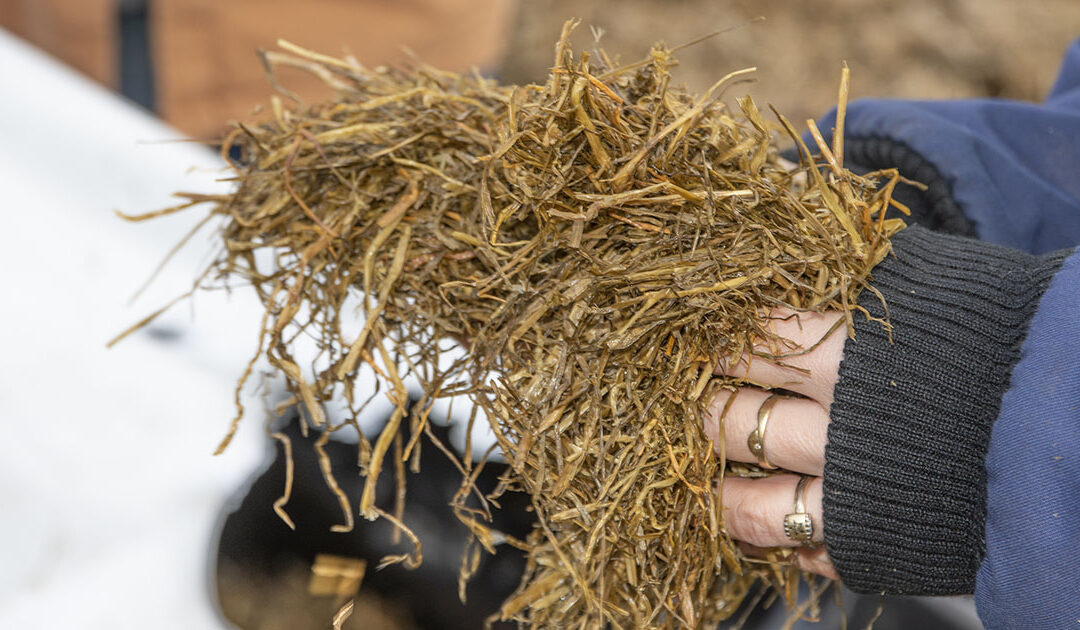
<point x="599" y="244"/>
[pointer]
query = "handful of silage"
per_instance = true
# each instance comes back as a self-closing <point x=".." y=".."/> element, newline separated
<point x="598" y="244"/>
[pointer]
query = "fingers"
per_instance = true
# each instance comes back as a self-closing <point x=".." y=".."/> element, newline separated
<point x="794" y="435"/>
<point x="754" y="509"/>
<point x="814" y="560"/>
<point x="809" y="366"/>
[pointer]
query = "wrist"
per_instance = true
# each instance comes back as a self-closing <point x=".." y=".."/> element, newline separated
<point x="905" y="489"/>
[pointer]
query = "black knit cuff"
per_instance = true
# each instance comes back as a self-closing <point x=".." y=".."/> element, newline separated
<point x="905" y="482"/>
<point x="933" y="206"/>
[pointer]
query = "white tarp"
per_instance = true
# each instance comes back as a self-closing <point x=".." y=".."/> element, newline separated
<point x="109" y="494"/>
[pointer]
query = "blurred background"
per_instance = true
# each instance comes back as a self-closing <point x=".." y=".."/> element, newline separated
<point x="116" y="516"/>
<point x="192" y="62"/>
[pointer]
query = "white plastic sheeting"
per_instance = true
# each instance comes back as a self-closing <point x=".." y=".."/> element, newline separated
<point x="109" y="494"/>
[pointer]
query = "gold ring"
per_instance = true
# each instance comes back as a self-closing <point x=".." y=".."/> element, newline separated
<point x="798" y="525"/>
<point x="756" y="440"/>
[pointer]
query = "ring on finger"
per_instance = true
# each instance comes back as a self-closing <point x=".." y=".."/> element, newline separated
<point x="756" y="440"/>
<point x="798" y="525"/>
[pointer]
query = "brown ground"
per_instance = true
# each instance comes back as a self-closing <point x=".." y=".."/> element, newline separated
<point x="901" y="49"/>
<point x="910" y="49"/>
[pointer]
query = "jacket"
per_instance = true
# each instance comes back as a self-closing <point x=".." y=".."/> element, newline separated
<point x="953" y="456"/>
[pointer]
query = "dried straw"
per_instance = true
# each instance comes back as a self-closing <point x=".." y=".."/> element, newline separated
<point x="599" y="243"/>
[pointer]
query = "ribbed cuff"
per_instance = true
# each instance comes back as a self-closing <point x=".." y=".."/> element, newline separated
<point x="932" y="206"/>
<point x="905" y="482"/>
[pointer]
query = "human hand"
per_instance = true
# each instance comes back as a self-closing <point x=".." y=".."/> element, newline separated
<point x="795" y="436"/>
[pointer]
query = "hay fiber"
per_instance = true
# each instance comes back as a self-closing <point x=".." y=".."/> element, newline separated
<point x="598" y="244"/>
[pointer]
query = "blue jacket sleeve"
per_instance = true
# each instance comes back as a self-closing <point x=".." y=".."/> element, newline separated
<point x="1013" y="170"/>
<point x="1029" y="578"/>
